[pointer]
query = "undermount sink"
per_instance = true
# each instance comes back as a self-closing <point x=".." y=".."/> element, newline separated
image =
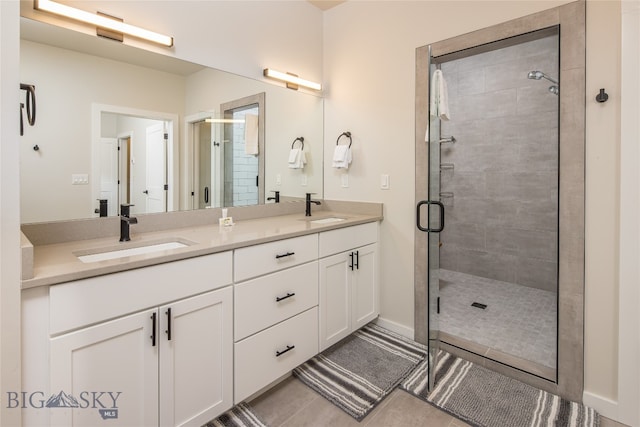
<point x="116" y="252"/>
<point x="328" y="220"/>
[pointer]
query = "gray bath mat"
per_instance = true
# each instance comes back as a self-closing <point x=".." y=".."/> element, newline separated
<point x="362" y="369"/>
<point x="240" y="415"/>
<point x="485" y="398"/>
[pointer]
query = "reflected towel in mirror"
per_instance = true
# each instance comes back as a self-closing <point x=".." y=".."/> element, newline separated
<point x="297" y="158"/>
<point x="251" y="134"/>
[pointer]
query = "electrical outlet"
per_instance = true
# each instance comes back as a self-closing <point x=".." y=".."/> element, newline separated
<point x="345" y="180"/>
<point x="278" y="179"/>
<point x="384" y="181"/>
<point x="79" y="179"/>
<point x="303" y="180"/>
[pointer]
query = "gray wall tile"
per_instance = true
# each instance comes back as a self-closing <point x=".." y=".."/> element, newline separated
<point x="504" y="213"/>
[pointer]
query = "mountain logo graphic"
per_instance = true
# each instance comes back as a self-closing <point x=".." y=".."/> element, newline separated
<point x="62" y="400"/>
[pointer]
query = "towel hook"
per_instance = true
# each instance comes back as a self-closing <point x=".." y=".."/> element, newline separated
<point x="301" y="139"/>
<point x="348" y="135"/>
<point x="602" y="96"/>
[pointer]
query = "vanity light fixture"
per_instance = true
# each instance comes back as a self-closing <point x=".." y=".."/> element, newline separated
<point x="224" y="120"/>
<point x="102" y="21"/>
<point x="292" y="80"/>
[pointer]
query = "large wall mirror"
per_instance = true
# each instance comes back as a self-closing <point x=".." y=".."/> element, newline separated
<point x="120" y="124"/>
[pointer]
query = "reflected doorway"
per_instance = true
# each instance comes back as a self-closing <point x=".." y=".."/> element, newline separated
<point x="133" y="160"/>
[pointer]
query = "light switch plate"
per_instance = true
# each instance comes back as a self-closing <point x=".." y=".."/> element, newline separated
<point x="278" y="179"/>
<point x="345" y="180"/>
<point x="384" y="181"/>
<point x="79" y="179"/>
<point x="303" y="180"/>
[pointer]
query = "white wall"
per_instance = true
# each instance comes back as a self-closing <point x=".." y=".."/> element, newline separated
<point x="369" y="68"/>
<point x="9" y="210"/>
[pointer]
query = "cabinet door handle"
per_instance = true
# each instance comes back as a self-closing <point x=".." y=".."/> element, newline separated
<point x="351" y="265"/>
<point x="153" y="329"/>
<point x="168" y="331"/>
<point x="288" y="295"/>
<point x="285" y="255"/>
<point x="357" y="260"/>
<point x="289" y="348"/>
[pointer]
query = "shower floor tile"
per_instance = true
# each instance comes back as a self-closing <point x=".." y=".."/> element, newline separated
<point x="518" y="320"/>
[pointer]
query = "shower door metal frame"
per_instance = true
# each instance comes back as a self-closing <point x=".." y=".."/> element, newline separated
<point x="430" y="244"/>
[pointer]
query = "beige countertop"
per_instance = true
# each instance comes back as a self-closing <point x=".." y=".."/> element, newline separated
<point x="58" y="262"/>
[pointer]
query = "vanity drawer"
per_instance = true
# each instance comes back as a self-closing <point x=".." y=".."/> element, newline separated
<point x="262" y="302"/>
<point x="261" y="259"/>
<point x="256" y="361"/>
<point x="343" y="239"/>
<point x="96" y="299"/>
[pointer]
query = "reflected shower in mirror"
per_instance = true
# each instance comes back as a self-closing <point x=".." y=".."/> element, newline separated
<point x="89" y="89"/>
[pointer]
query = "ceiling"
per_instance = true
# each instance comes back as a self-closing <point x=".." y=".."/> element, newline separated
<point x="325" y="4"/>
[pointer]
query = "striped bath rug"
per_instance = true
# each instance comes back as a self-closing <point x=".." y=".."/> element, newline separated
<point x="240" y="415"/>
<point x="362" y="369"/>
<point x="485" y="398"/>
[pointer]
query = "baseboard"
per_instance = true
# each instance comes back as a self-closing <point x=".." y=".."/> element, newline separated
<point x="605" y="407"/>
<point x="403" y="330"/>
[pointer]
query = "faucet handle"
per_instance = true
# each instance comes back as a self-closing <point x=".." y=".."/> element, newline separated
<point x="124" y="209"/>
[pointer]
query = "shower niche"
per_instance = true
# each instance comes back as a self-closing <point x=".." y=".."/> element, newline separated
<point x="504" y="275"/>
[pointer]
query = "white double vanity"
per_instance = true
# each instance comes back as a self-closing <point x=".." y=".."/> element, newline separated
<point x="178" y="336"/>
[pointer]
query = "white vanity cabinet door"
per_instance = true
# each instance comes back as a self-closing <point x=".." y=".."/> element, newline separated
<point x="266" y="258"/>
<point x="365" y="299"/>
<point x="265" y="301"/>
<point x="348" y="293"/>
<point x="335" y="299"/>
<point x="95" y="365"/>
<point x="196" y="364"/>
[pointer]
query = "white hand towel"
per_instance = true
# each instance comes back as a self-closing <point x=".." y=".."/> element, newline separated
<point x="297" y="158"/>
<point x="439" y="98"/>
<point x="342" y="157"/>
<point x="251" y="134"/>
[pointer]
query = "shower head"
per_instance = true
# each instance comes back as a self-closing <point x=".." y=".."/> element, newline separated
<point x="537" y="75"/>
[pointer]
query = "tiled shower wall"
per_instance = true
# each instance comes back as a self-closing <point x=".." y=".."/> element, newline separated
<point x="502" y="220"/>
<point x="240" y="176"/>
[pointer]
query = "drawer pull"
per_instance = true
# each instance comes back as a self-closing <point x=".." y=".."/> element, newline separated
<point x="288" y="295"/>
<point x="289" y="348"/>
<point x="168" y="331"/>
<point x="153" y="329"/>
<point x="285" y="255"/>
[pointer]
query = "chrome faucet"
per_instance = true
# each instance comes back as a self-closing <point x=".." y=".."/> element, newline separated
<point x="307" y="211"/>
<point x="125" y="222"/>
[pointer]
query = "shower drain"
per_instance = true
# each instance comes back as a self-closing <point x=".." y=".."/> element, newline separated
<point x="479" y="305"/>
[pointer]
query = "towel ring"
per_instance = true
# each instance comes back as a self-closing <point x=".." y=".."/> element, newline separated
<point x="301" y="139"/>
<point x="348" y="135"/>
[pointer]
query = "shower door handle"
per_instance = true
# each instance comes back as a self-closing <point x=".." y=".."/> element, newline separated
<point x="418" y="217"/>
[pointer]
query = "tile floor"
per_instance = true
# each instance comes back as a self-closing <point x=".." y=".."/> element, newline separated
<point x="293" y="404"/>
<point x="518" y="320"/>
